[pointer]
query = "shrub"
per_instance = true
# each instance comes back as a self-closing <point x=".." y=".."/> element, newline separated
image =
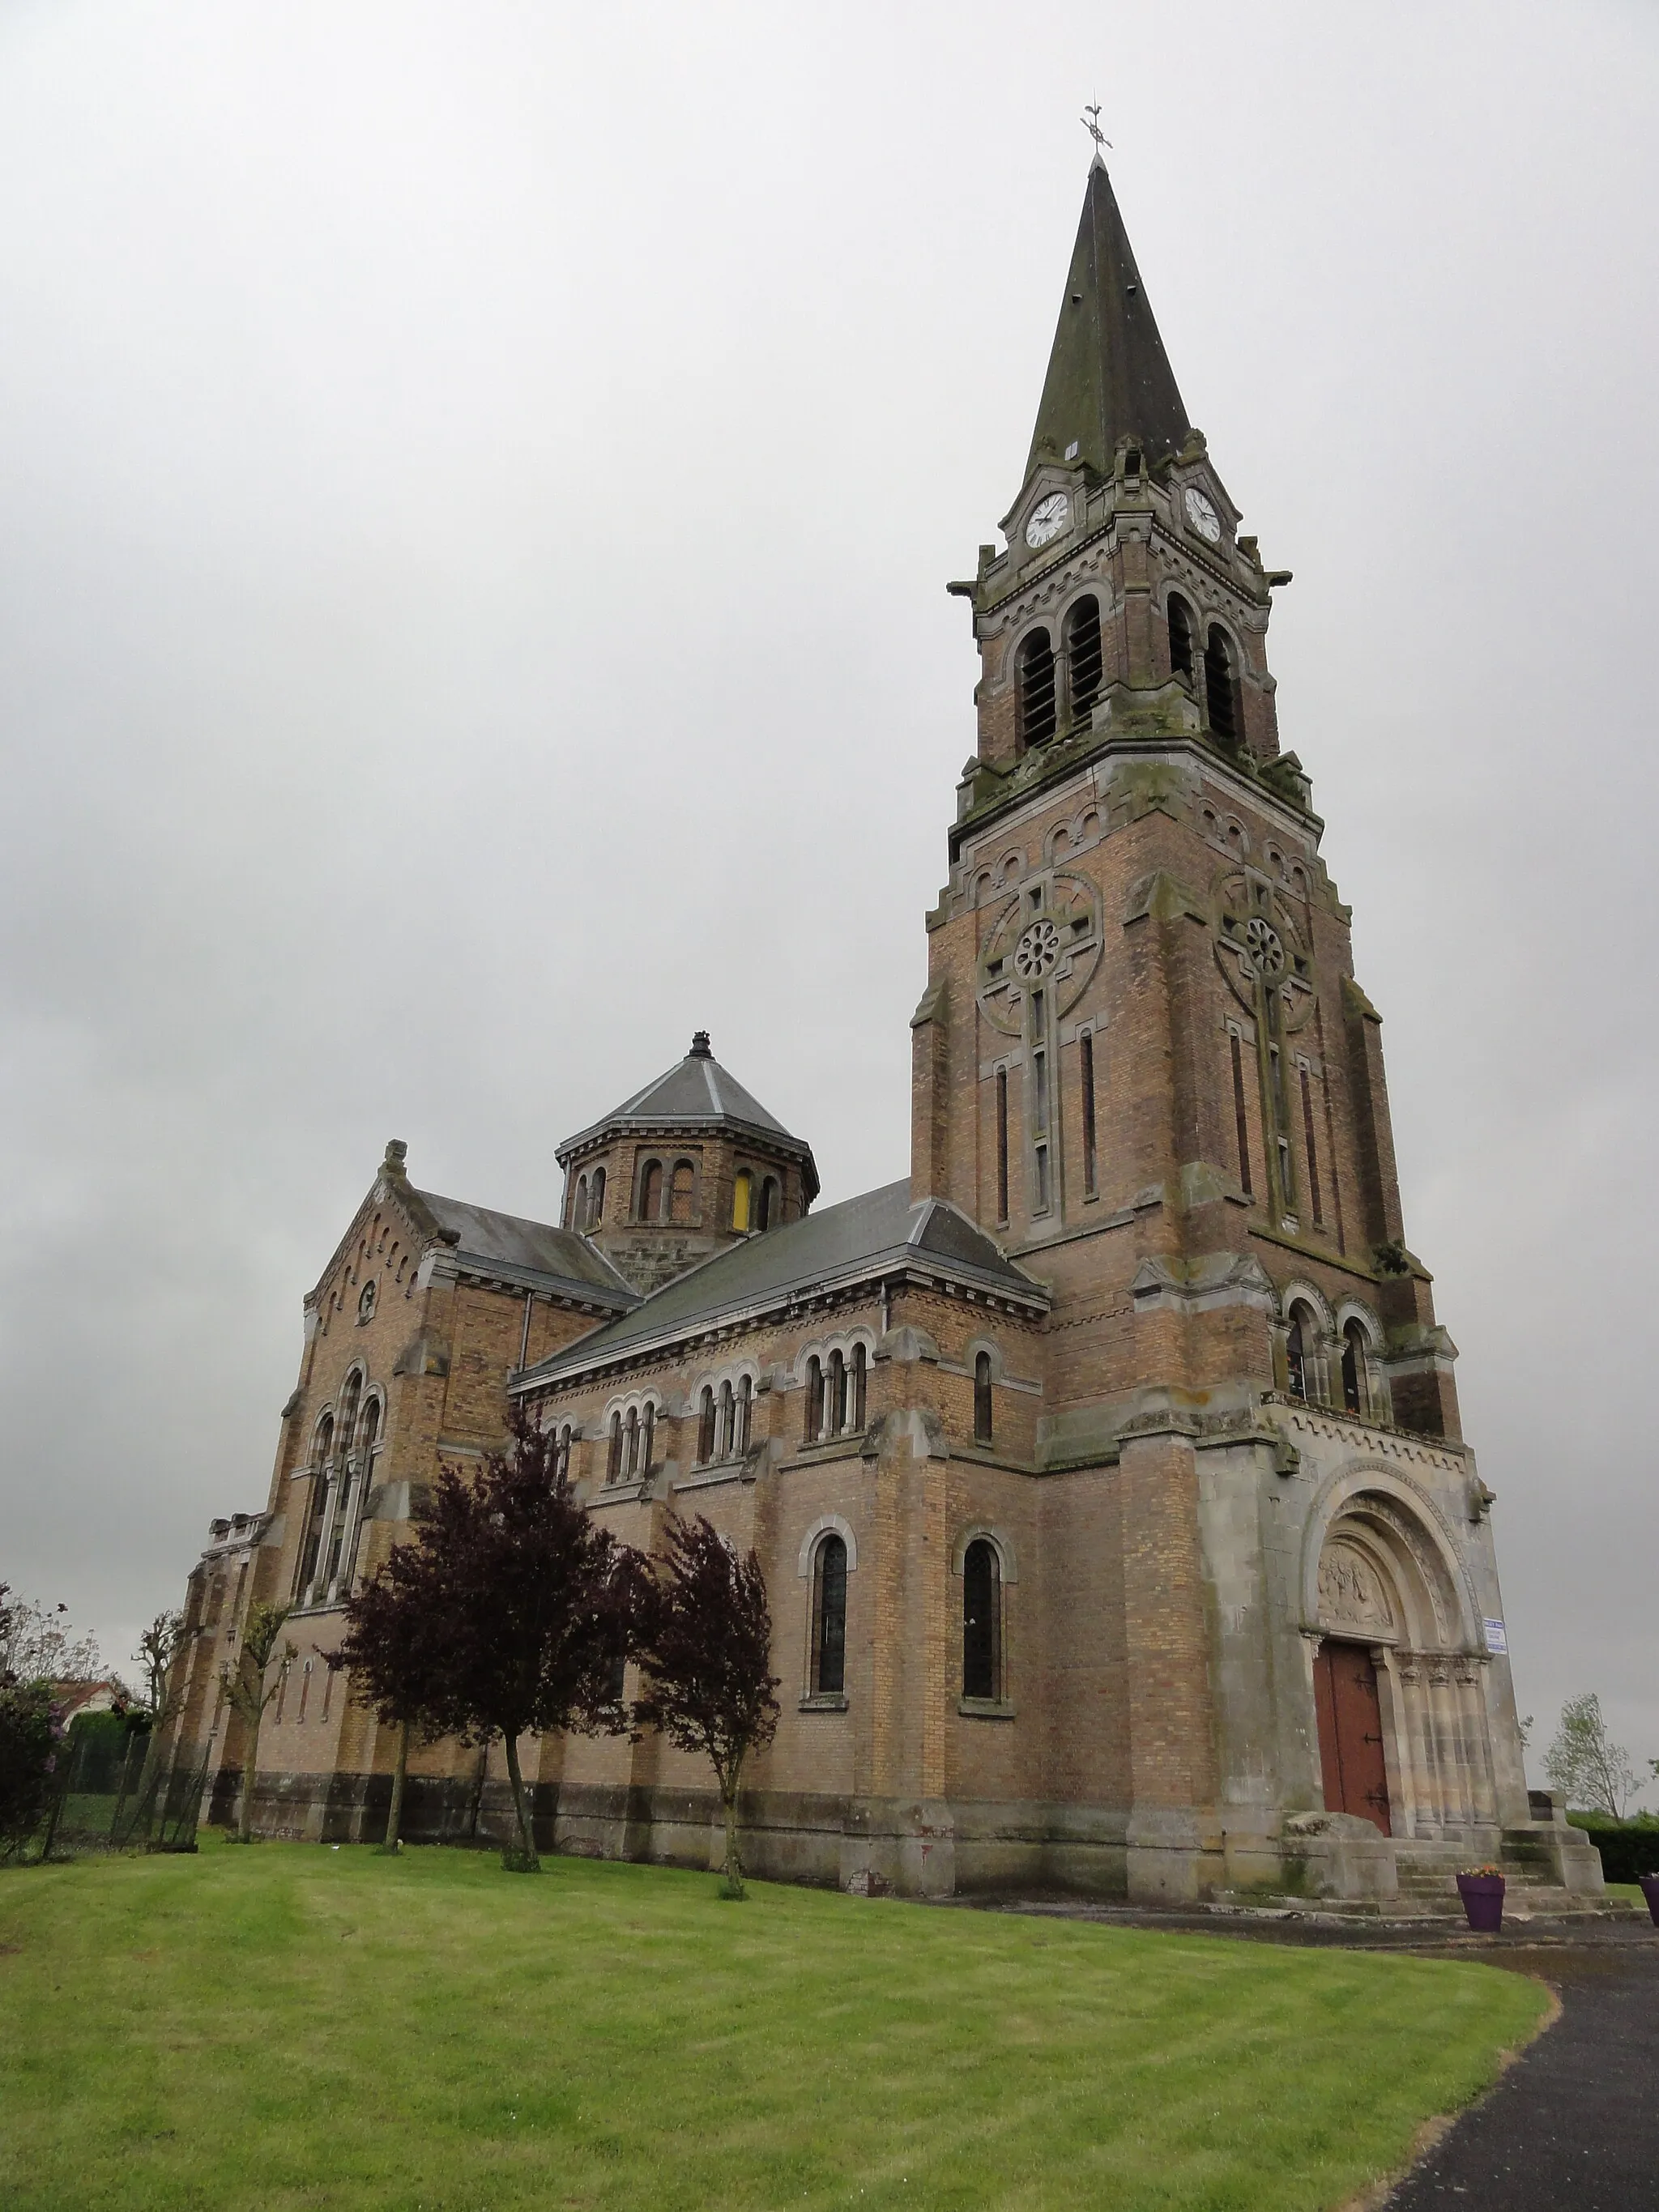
<point x="30" y="1733"/>
<point x="1628" y="1848"/>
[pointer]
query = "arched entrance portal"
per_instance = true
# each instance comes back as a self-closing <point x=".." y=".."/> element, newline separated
<point x="1397" y="1696"/>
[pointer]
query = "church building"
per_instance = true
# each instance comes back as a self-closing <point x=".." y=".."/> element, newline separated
<point x="1105" y="1470"/>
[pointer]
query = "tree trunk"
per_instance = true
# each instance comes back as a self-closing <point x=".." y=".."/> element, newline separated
<point x="732" y="1884"/>
<point x="250" y="1768"/>
<point x="394" y="1819"/>
<point x="528" y="1862"/>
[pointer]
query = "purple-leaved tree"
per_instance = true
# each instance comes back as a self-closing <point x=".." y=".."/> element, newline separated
<point x="703" y="1632"/>
<point x="529" y="1604"/>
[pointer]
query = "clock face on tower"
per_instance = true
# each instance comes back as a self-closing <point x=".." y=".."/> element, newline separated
<point x="1203" y="517"/>
<point x="1049" y="518"/>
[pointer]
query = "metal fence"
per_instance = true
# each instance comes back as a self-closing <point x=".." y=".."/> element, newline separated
<point x="109" y="1794"/>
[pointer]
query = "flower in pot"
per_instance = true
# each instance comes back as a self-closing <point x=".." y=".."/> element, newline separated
<point x="1482" y="1889"/>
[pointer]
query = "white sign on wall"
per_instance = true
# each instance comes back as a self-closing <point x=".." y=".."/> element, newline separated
<point x="1496" y="1639"/>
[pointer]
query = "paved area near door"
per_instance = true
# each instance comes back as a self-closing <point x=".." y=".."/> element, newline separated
<point x="1575" y="2121"/>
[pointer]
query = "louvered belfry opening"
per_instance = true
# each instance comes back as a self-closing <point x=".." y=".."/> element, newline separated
<point x="1083" y="659"/>
<point x="1035" y="686"/>
<point x="1181" y="638"/>
<point x="1221" y="688"/>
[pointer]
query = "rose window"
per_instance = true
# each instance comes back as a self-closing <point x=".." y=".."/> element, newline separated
<point x="1038" y="951"/>
<point x="1267" y="951"/>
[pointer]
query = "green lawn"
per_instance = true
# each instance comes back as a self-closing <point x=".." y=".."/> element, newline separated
<point x="292" y="2026"/>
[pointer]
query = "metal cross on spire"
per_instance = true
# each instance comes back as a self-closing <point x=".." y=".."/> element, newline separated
<point x="1090" y="119"/>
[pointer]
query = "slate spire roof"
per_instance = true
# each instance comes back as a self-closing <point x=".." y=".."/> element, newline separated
<point x="1109" y="375"/>
<point x="696" y="1093"/>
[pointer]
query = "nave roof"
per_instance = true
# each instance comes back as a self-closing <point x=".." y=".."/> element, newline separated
<point x="876" y="1233"/>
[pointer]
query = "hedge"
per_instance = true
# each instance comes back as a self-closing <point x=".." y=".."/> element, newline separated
<point x="1628" y="1848"/>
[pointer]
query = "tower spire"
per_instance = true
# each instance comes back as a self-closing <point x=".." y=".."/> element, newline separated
<point x="1109" y="375"/>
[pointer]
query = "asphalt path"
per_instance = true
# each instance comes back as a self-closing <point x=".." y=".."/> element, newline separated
<point x="1574" y="2122"/>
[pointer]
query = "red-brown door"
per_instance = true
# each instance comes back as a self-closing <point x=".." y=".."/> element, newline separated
<point x="1351" y="1732"/>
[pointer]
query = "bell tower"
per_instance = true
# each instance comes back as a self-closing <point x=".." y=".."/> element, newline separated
<point x="1143" y="1064"/>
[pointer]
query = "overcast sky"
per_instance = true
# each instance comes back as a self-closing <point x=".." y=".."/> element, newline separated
<point x="477" y="487"/>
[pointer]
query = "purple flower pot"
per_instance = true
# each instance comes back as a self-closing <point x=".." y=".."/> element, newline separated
<point x="1650" y="1890"/>
<point x="1483" y="1902"/>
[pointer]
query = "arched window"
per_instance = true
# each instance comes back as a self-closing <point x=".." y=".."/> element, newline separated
<point x="596" y="1200"/>
<point x="983" y="1399"/>
<point x="1083" y="658"/>
<point x="706" y="1425"/>
<point x="1354" y="1393"/>
<point x="1181" y="637"/>
<point x="981" y="1620"/>
<point x="367" y="1436"/>
<point x="1034" y="689"/>
<point x="1298" y="1350"/>
<point x="631" y="1440"/>
<point x="829" y="1618"/>
<point x="305" y="1692"/>
<point x="723" y="1431"/>
<point x="682" y="1191"/>
<point x="348" y="1478"/>
<point x="837" y="1393"/>
<point x="579" y="1211"/>
<point x="745" y="1409"/>
<point x="322" y="1455"/>
<point x="613" y="1455"/>
<point x="1221" y="689"/>
<point x="813" y="1422"/>
<point x="740" y="1193"/>
<point x="858" y="1374"/>
<point x="647" y="1436"/>
<point x="651" y="1192"/>
<point x="562" y="1457"/>
<point x="771" y="1197"/>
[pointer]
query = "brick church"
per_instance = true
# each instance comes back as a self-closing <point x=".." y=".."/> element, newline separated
<point x="1106" y="1469"/>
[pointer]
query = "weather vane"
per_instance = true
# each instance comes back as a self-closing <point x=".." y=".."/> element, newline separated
<point x="1090" y="119"/>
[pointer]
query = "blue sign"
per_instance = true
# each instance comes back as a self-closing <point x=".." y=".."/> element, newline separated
<point x="1496" y="1639"/>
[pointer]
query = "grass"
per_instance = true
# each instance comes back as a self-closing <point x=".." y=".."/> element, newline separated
<point x="296" y="2027"/>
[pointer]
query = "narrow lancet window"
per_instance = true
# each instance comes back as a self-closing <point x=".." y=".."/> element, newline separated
<point x="981" y="1621"/>
<point x="1313" y="1153"/>
<point x="1181" y="638"/>
<point x="829" y="1677"/>
<point x="651" y="1192"/>
<point x="813" y="1417"/>
<point x="1002" y="1143"/>
<point x="1221" y="689"/>
<point x="740" y="1191"/>
<point x="983" y="1399"/>
<point x="1086" y="1076"/>
<point x="1240" y="1118"/>
<point x="706" y="1425"/>
<point x="1353" y="1368"/>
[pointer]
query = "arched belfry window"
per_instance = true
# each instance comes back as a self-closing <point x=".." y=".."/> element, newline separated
<point x="1034" y="689"/>
<point x="858" y="1377"/>
<point x="1083" y="658"/>
<point x="767" y="1215"/>
<point x="614" y="1452"/>
<point x="829" y="1671"/>
<point x="1299" y="1351"/>
<point x="812" y="1423"/>
<point x="706" y="1425"/>
<point x="680" y="1191"/>
<point x="1181" y="637"/>
<point x="981" y="1620"/>
<point x="596" y="1200"/>
<point x="741" y="1190"/>
<point x="1354" y="1393"/>
<point x="1221" y="688"/>
<point x="651" y="1192"/>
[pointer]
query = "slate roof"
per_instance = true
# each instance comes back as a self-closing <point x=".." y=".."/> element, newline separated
<point x="527" y="1247"/>
<point x="698" y="1093"/>
<point x="877" y="1232"/>
<point x="1109" y="374"/>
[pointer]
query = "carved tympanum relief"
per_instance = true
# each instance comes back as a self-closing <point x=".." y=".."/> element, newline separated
<point x="1352" y="1594"/>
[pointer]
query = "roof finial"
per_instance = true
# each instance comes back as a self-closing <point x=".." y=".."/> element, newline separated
<point x="699" y="1046"/>
<point x="1090" y="119"/>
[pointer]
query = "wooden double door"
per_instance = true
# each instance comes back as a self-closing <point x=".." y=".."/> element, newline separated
<point x="1351" y="1732"/>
